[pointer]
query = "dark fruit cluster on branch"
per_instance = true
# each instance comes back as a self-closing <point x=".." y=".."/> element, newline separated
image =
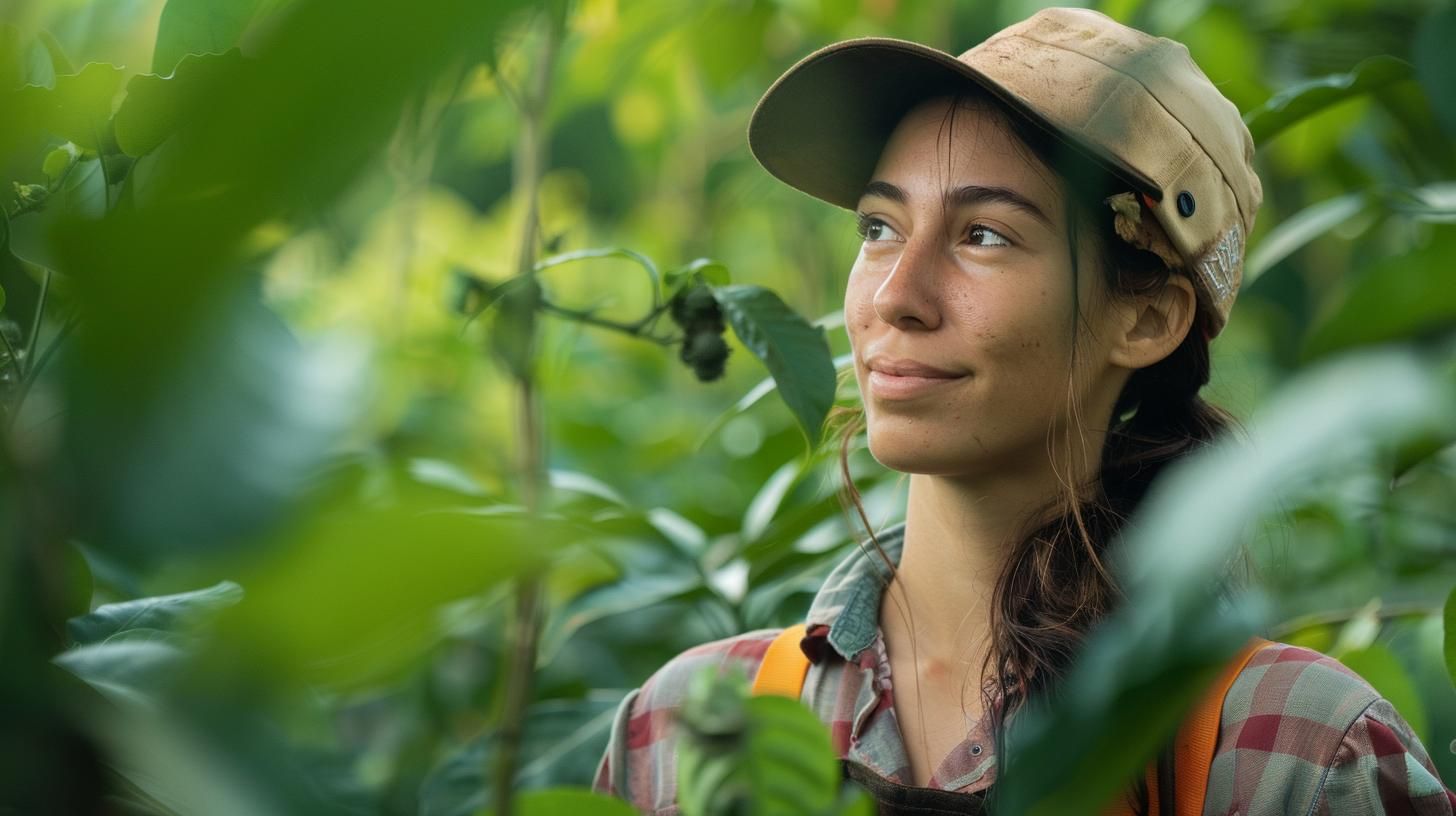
<point x="703" y="347"/>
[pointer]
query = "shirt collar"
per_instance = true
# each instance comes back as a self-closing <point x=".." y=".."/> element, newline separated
<point x="848" y="604"/>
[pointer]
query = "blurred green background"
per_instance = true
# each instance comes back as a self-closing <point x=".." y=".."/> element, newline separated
<point x="267" y="492"/>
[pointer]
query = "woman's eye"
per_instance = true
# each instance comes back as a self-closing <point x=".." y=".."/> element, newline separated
<point x="871" y="228"/>
<point x="982" y="235"/>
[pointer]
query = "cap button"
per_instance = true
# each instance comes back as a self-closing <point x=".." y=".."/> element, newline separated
<point x="1186" y="204"/>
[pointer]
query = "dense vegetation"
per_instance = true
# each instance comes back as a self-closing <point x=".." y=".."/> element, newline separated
<point x="386" y="388"/>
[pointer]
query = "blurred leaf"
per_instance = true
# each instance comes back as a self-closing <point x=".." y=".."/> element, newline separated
<point x="127" y="670"/>
<point x="1396" y="298"/>
<point x="765" y="503"/>
<point x="350" y="596"/>
<point x="1143" y="666"/>
<point x="60" y="63"/>
<point x="236" y="437"/>
<point x="199" y="27"/>
<point x="762" y="754"/>
<point x="1294" y="104"/>
<point x="1299" y="229"/>
<point x="78" y="108"/>
<point x="1436" y="64"/>
<point x="1382" y="670"/>
<point x="576" y="802"/>
<point x="165" y="613"/>
<point x="60" y="160"/>
<point x="703" y="270"/>
<point x="796" y="353"/>
<point x="1449" y="620"/>
<point x="83" y="194"/>
<point x="149" y="113"/>
<point x="1359" y="632"/>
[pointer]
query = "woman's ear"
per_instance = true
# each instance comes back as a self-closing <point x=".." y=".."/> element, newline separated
<point x="1152" y="326"/>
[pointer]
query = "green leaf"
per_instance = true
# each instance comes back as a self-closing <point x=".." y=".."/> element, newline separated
<point x="349" y="596"/>
<point x="199" y="27"/>
<point x="154" y="105"/>
<point x="1292" y="105"/>
<point x="164" y="612"/>
<point x="763" y="754"/>
<point x="128" y="670"/>
<point x="78" y="108"/>
<point x="1436" y="63"/>
<point x="795" y="352"/>
<point x="58" y="161"/>
<point x="1397" y="298"/>
<point x="1380" y="668"/>
<point x="1449" y="619"/>
<point x="1299" y="229"/>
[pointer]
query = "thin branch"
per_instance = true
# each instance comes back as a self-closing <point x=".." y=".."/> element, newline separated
<point x="635" y="329"/>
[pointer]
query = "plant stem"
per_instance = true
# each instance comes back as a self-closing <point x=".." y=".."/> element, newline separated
<point x="529" y="616"/>
<point x="634" y="329"/>
<point x="45" y="286"/>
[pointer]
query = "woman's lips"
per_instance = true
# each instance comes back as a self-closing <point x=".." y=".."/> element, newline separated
<point x="887" y="386"/>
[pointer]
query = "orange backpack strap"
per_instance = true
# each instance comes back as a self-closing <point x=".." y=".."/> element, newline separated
<point x="1197" y="738"/>
<point x="1194" y="745"/>
<point x="784" y="665"/>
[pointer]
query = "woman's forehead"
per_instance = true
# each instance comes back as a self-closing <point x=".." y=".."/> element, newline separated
<point x="931" y="154"/>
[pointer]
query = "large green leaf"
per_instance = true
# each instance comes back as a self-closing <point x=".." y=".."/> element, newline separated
<point x="77" y="108"/>
<point x="1292" y="105"/>
<point x="200" y="27"/>
<point x="795" y="352"/>
<point x="1140" y="669"/>
<point x="1400" y="297"/>
<point x="164" y="612"/>
<point x="149" y="112"/>
<point x="350" y="596"/>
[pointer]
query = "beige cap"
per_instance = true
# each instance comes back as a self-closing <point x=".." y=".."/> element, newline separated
<point x="1135" y="104"/>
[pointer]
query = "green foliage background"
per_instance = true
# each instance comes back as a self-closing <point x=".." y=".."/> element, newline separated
<point x="264" y="512"/>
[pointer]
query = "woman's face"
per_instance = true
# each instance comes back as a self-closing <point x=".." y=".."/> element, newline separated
<point x="961" y="319"/>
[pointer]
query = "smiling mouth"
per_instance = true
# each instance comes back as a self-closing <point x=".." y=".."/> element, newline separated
<point x="886" y="386"/>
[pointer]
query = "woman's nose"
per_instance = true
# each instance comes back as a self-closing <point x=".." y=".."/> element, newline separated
<point x="907" y="299"/>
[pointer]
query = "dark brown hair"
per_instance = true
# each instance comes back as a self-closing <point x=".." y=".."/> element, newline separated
<point x="1056" y="582"/>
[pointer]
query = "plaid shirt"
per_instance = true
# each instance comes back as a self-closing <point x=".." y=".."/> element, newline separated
<point x="1299" y="733"/>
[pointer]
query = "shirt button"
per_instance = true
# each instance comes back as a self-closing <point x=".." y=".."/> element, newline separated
<point x="975" y="750"/>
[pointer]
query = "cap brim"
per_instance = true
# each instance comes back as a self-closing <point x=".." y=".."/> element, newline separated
<point x="821" y="126"/>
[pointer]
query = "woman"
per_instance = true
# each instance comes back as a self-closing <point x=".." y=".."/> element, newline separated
<point x="1053" y="228"/>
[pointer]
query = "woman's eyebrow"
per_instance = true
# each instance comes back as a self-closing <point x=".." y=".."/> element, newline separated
<point x="965" y="196"/>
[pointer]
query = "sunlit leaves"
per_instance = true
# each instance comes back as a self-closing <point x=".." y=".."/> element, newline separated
<point x="200" y="27"/>
<point x="796" y="352"/>
<point x="78" y="108"/>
